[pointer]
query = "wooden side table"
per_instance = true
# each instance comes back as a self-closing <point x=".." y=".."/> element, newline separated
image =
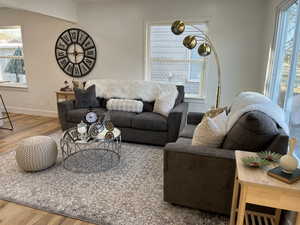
<point x="64" y="95"/>
<point x="256" y="187"/>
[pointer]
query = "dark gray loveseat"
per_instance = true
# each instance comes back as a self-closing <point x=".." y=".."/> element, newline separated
<point x="202" y="177"/>
<point x="146" y="127"/>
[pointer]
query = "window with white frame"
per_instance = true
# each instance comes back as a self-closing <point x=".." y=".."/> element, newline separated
<point x="12" y="68"/>
<point x="169" y="61"/>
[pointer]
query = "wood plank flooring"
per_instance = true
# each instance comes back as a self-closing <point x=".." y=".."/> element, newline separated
<point x="26" y="126"/>
<point x="15" y="214"/>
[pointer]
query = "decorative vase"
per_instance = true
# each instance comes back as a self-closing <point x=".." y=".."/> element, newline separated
<point x="82" y="130"/>
<point x="289" y="163"/>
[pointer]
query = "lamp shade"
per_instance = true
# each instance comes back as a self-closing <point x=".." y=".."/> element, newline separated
<point x="190" y="41"/>
<point x="204" y="49"/>
<point x="178" y="27"/>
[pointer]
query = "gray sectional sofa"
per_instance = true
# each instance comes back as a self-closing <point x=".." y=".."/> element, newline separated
<point x="202" y="177"/>
<point x="146" y="127"/>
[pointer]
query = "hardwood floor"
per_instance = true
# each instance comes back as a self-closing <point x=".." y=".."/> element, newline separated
<point x="14" y="214"/>
<point x="26" y="126"/>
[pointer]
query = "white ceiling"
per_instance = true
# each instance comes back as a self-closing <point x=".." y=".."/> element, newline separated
<point x="63" y="9"/>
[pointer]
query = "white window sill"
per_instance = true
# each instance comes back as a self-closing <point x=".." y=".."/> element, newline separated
<point x="13" y="85"/>
<point x="194" y="98"/>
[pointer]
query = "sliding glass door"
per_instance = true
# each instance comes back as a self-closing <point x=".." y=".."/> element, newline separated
<point x="284" y="86"/>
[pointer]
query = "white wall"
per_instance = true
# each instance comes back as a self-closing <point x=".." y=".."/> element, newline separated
<point x="236" y="27"/>
<point x="118" y="28"/>
<point x="44" y="77"/>
<point x="63" y="9"/>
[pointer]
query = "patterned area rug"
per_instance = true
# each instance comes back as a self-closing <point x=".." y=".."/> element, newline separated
<point x="131" y="193"/>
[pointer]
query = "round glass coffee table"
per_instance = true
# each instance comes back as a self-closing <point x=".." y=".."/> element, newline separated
<point x="96" y="154"/>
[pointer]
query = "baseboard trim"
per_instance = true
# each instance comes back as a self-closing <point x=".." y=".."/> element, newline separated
<point x="36" y="112"/>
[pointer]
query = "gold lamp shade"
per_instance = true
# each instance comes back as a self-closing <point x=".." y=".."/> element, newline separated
<point x="178" y="27"/>
<point x="190" y="41"/>
<point x="204" y="49"/>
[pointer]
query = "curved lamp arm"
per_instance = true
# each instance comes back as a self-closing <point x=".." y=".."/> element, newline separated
<point x="204" y="37"/>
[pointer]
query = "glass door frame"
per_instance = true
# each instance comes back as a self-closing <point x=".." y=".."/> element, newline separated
<point x="276" y="60"/>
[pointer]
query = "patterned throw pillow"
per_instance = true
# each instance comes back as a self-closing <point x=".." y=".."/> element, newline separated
<point x="125" y="105"/>
<point x="211" y="131"/>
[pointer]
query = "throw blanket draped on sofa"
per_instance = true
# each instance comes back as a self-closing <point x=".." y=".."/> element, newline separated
<point x="250" y="101"/>
<point x="144" y="90"/>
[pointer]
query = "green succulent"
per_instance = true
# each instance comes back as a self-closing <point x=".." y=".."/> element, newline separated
<point x="256" y="162"/>
<point x="269" y="156"/>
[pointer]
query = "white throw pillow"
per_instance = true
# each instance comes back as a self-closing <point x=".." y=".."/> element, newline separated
<point x="125" y="105"/>
<point x="164" y="103"/>
<point x="211" y="131"/>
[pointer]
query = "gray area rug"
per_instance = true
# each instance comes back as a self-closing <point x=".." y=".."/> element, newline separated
<point x="131" y="193"/>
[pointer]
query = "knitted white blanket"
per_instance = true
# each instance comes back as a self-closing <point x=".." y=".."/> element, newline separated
<point x="249" y="101"/>
<point x="135" y="89"/>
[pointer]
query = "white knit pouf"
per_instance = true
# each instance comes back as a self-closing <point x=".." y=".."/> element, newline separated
<point x="36" y="153"/>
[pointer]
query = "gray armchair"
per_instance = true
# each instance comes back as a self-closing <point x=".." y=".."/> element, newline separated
<point x="202" y="177"/>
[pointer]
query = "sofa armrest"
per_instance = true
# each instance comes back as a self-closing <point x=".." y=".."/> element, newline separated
<point x="199" y="177"/>
<point x="201" y="151"/>
<point x="280" y="143"/>
<point x="63" y="108"/>
<point x="176" y="121"/>
<point x="194" y="118"/>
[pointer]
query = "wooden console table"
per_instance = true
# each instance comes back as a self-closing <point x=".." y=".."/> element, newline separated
<point x="64" y="95"/>
<point x="256" y="187"/>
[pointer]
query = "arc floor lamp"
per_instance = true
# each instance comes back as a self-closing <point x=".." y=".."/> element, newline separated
<point x="205" y="48"/>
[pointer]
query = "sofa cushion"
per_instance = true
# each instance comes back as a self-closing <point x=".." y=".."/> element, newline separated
<point x="126" y="105"/>
<point x="211" y="131"/>
<point x="148" y="106"/>
<point x="76" y="115"/>
<point x="180" y="96"/>
<point x="150" y="121"/>
<point x="164" y="104"/>
<point x="86" y="98"/>
<point x="122" y="118"/>
<point x="188" y="131"/>
<point x="254" y="131"/>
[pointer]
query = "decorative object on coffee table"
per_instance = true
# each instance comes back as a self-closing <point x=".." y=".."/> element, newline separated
<point x="256" y="187"/>
<point x="269" y="156"/>
<point x="95" y="154"/>
<point x="82" y="131"/>
<point x="5" y="116"/>
<point x="75" y="52"/>
<point x="205" y="48"/>
<point x="36" y="153"/>
<point x="288" y="162"/>
<point x="109" y="125"/>
<point x="95" y="129"/>
<point x="91" y="117"/>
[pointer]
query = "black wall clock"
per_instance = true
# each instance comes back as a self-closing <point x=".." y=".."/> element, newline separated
<point x="75" y="52"/>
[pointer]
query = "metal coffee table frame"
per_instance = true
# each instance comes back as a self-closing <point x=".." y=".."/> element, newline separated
<point x="103" y="153"/>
